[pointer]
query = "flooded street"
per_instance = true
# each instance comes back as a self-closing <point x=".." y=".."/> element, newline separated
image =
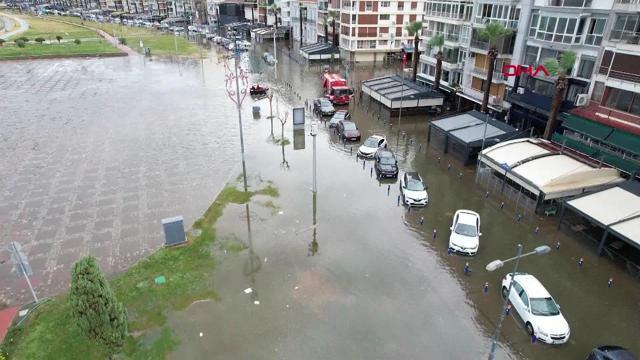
<point x="96" y="152"/>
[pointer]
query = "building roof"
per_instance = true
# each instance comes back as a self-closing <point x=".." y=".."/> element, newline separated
<point x="617" y="208"/>
<point x="469" y="128"/>
<point x="610" y="117"/>
<point x="319" y="51"/>
<point x="538" y="167"/>
<point x="395" y="90"/>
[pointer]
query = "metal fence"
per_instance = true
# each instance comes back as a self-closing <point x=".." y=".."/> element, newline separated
<point x="505" y="193"/>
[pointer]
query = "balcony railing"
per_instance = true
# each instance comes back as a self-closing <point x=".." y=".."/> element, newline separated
<point x="627" y="37"/>
<point x="512" y="24"/>
<point x="628" y="2"/>
<point x="447" y="15"/>
<point x="447" y="37"/>
<point x="497" y="76"/>
<point x="570" y="3"/>
<point x="620" y="75"/>
<point x="484" y="46"/>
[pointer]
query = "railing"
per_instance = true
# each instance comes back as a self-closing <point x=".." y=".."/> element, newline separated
<point x="628" y="2"/>
<point x="497" y="76"/>
<point x="570" y="3"/>
<point x="447" y="37"/>
<point x="620" y="75"/>
<point x="628" y="37"/>
<point x="484" y="46"/>
<point x="512" y="24"/>
<point x="448" y="15"/>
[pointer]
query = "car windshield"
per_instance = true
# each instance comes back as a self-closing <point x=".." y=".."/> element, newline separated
<point x="387" y="160"/>
<point x="349" y="126"/>
<point x="371" y="142"/>
<point x="415" y="185"/>
<point x="466" y="230"/>
<point x="325" y="103"/>
<point x="337" y="117"/>
<point x="544" y="307"/>
<point x="340" y="92"/>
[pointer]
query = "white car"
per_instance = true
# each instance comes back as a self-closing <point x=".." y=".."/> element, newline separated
<point x="538" y="310"/>
<point x="465" y="232"/>
<point x="371" y="145"/>
<point x="413" y="190"/>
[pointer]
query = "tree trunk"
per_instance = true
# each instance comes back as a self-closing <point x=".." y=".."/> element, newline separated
<point x="414" y="59"/>
<point x="552" y="122"/>
<point x="326" y="32"/>
<point x="253" y="17"/>
<point x="493" y="54"/>
<point x="276" y="15"/>
<point x="436" y="83"/>
<point x="334" y="35"/>
<point x="300" y="27"/>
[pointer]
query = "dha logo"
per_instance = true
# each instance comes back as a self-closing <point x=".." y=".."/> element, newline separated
<point x="509" y="70"/>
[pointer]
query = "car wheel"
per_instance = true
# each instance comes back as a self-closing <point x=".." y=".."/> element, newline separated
<point x="529" y="328"/>
<point x="504" y="292"/>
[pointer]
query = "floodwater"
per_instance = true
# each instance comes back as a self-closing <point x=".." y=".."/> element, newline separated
<point x="112" y="140"/>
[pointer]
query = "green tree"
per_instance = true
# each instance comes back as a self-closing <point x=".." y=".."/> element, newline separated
<point x="334" y="16"/>
<point x="58" y="37"/>
<point x="77" y="41"/>
<point x="492" y="32"/>
<point x="20" y="43"/>
<point x="560" y="68"/>
<point x="275" y="10"/>
<point x="39" y="40"/>
<point x="95" y="308"/>
<point x="414" y="29"/>
<point x="437" y="42"/>
<point x="2" y="42"/>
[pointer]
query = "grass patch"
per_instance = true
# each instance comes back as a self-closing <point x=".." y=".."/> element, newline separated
<point x="282" y="141"/>
<point x="161" y="44"/>
<point x="50" y="333"/>
<point x="42" y="27"/>
<point x="89" y="48"/>
<point x="232" y="244"/>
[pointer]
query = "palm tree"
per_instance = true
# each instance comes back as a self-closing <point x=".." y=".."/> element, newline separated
<point x="560" y="68"/>
<point x="492" y="32"/>
<point x="334" y="16"/>
<point x="414" y="29"/>
<point x="275" y="9"/>
<point x="437" y="42"/>
<point x="253" y="16"/>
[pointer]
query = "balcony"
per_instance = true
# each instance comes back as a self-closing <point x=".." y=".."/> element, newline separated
<point x="483" y="47"/>
<point x="511" y="24"/>
<point x="570" y="3"/>
<point x="482" y="73"/>
<point x="447" y="15"/>
<point x="626" y="37"/>
<point x="447" y="37"/>
<point x="628" y="2"/>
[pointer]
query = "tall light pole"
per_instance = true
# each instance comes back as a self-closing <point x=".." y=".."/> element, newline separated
<point x="314" y="133"/>
<point x="238" y="95"/>
<point x="275" y="53"/>
<point x="496" y="264"/>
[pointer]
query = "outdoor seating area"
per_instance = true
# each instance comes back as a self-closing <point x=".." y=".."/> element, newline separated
<point x="396" y="92"/>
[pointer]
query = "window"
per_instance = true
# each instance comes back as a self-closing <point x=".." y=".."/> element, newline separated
<point x="353" y="18"/>
<point x="531" y="55"/>
<point x="549" y="28"/>
<point x="585" y="69"/>
<point x="598" y="91"/>
<point x="400" y="5"/>
<point x="595" y="31"/>
<point x="384" y="17"/>
<point x="371" y="44"/>
<point x="627" y="27"/>
<point x="385" y="4"/>
<point x="623" y="100"/>
<point x="368" y="6"/>
<point x="524" y="298"/>
<point x="382" y="42"/>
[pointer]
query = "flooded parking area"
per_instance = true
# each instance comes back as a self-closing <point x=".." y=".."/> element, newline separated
<point x="370" y="280"/>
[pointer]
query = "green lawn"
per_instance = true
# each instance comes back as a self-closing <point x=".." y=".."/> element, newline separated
<point x="41" y="27"/>
<point x="87" y="47"/>
<point x="160" y="43"/>
<point x="50" y="332"/>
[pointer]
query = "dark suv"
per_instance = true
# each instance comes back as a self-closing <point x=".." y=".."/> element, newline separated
<point x="347" y="130"/>
<point x="386" y="164"/>
<point x="323" y="107"/>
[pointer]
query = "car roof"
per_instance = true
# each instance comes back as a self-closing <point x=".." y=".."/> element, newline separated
<point x="412" y="175"/>
<point x="385" y="152"/>
<point x="345" y="121"/>
<point x="532" y="286"/>
<point x="376" y="137"/>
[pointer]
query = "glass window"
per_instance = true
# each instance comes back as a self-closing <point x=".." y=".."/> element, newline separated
<point x="571" y="26"/>
<point x="626" y="27"/>
<point x="368" y="6"/>
<point x="531" y="55"/>
<point x="384" y="16"/>
<point x="598" y="91"/>
<point x="385" y="4"/>
<point x="585" y="69"/>
<point x="595" y="31"/>
<point x="524" y="298"/>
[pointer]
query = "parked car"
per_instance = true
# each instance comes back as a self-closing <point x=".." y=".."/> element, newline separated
<point x="323" y="107"/>
<point x="611" y="352"/>
<point x="413" y="189"/>
<point x="348" y="131"/>
<point x="465" y="232"/>
<point x="386" y="164"/>
<point x="339" y="115"/>
<point x="538" y="310"/>
<point x="371" y="145"/>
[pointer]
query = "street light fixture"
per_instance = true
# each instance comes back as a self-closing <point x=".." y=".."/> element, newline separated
<point x="314" y="133"/>
<point x="497" y="264"/>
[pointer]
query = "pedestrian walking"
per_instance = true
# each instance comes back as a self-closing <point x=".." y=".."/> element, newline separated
<point x="306" y="104"/>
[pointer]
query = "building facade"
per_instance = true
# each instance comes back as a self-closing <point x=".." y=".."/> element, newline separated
<point x="304" y="17"/>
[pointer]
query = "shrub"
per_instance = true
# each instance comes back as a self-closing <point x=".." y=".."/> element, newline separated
<point x="39" y="40"/>
<point x="77" y="41"/>
<point x="123" y="41"/>
<point x="25" y="39"/>
<point x="20" y="43"/>
<point x="95" y="308"/>
<point x="58" y="37"/>
<point x="2" y="42"/>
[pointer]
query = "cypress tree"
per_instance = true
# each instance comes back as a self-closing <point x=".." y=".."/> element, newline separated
<point x="97" y="312"/>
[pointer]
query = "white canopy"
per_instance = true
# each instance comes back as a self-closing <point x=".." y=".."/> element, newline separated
<point x="538" y="167"/>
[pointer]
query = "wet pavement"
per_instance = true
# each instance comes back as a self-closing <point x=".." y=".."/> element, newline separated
<point x="375" y="283"/>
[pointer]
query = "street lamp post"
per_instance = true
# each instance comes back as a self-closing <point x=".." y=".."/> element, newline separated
<point x="238" y="95"/>
<point x="314" y="133"/>
<point x="275" y="53"/>
<point x="496" y="264"/>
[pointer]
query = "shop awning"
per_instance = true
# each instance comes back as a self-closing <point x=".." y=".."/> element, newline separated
<point x="625" y="140"/>
<point x="587" y="127"/>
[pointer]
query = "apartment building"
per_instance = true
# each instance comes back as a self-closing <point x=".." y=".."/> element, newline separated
<point x="369" y="30"/>
<point x="452" y="20"/>
<point x="304" y="17"/>
<point x="555" y="26"/>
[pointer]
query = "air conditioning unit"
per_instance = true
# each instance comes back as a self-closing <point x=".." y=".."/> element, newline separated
<point x="582" y="99"/>
<point x="520" y="90"/>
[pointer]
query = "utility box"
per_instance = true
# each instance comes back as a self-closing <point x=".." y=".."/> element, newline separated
<point x="173" y="231"/>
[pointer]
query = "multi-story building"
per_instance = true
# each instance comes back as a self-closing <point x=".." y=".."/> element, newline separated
<point x="369" y="30"/>
<point x="304" y="16"/>
<point x="555" y="26"/>
<point x="451" y="19"/>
